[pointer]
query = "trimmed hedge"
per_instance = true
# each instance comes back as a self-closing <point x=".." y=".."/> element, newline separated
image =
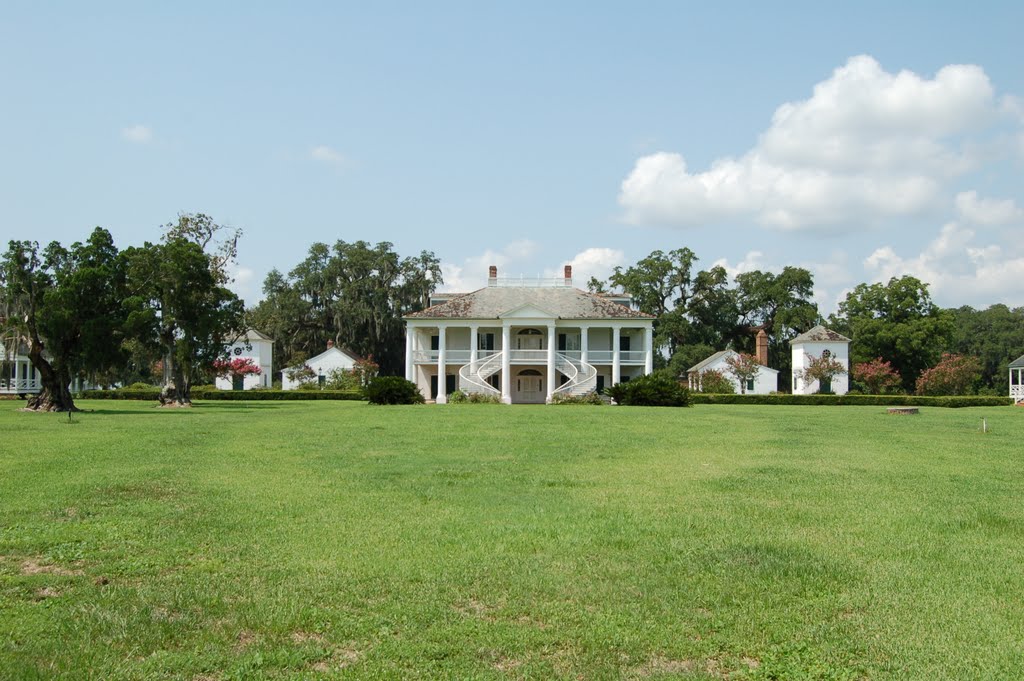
<point x="855" y="400"/>
<point x="235" y="395"/>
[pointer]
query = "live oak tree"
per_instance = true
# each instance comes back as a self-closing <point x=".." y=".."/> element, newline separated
<point x="896" y="321"/>
<point x="64" y="307"/>
<point x="181" y="304"/>
<point x="353" y="294"/>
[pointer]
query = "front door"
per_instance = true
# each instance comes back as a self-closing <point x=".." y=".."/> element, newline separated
<point x="237" y="382"/>
<point x="530" y="387"/>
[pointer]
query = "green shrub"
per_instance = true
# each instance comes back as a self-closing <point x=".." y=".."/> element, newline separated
<point x="715" y="381"/>
<point x="393" y="390"/>
<point x="650" y="391"/>
<point x="854" y="400"/>
<point x="462" y="397"/>
<point x="140" y="386"/>
<point x="587" y="398"/>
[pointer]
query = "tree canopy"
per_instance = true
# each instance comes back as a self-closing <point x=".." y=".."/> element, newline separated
<point x="64" y="307"/>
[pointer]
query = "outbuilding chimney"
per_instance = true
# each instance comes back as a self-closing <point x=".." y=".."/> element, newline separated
<point x="762" y="348"/>
<point x="330" y="344"/>
<point x="568" y="275"/>
<point x="492" y="275"/>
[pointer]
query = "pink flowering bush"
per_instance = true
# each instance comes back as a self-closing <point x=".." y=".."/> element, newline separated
<point x="878" y="376"/>
<point x="953" y="375"/>
<point x="239" y="366"/>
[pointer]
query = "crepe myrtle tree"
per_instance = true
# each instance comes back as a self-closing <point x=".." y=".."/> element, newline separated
<point x="64" y="306"/>
<point x="878" y="376"/>
<point x="744" y="368"/>
<point x="237" y="366"/>
<point x="822" y="369"/>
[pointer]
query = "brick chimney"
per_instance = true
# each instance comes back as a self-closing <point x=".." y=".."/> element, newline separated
<point x="762" y="348"/>
<point x="492" y="275"/>
<point x="330" y="344"/>
<point x="568" y="275"/>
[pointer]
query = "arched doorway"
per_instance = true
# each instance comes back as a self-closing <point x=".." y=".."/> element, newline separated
<point x="530" y="339"/>
<point x="528" y="387"/>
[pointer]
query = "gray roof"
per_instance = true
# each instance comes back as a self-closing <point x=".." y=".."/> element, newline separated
<point x="819" y="334"/>
<point x="563" y="302"/>
<point x="700" y="365"/>
<point x="253" y="334"/>
<point x="1019" y="362"/>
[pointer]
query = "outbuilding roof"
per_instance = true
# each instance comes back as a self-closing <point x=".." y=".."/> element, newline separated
<point x="819" y="334"/>
<point x="700" y="366"/>
<point x="1019" y="362"/>
<point x="562" y="302"/>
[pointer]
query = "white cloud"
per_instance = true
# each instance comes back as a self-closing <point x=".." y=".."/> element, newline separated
<point x="987" y="212"/>
<point x="326" y="154"/>
<point x="753" y="260"/>
<point x="959" y="270"/>
<point x="591" y="262"/>
<point x="517" y="258"/>
<point x="137" y="134"/>
<point x="867" y="145"/>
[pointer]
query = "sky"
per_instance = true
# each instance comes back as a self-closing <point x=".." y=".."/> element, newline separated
<point x="862" y="141"/>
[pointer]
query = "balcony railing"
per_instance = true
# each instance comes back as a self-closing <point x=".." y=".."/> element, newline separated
<point x="531" y="356"/>
<point x="20" y="385"/>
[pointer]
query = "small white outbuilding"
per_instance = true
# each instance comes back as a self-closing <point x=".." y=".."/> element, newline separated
<point x="816" y="343"/>
<point x="766" y="381"/>
<point x="258" y="347"/>
<point x="322" y="365"/>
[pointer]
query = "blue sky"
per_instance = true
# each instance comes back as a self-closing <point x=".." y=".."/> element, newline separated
<point x="862" y="142"/>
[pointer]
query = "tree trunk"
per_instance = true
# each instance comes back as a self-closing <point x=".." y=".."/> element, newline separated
<point x="56" y="393"/>
<point x="175" y="391"/>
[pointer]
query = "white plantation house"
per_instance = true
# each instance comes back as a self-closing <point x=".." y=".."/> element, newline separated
<point x="256" y="346"/>
<point x="815" y="343"/>
<point x="766" y="381"/>
<point x="526" y="340"/>
<point x="19" y="377"/>
<point x="1017" y="379"/>
<point x="322" y="365"/>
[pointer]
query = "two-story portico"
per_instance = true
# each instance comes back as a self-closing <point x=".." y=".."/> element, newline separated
<point x="526" y="340"/>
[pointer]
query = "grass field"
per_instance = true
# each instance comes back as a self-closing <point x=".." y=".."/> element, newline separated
<point x="341" y="540"/>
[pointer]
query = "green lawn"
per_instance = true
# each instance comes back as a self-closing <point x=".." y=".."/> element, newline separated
<point x="336" y="540"/>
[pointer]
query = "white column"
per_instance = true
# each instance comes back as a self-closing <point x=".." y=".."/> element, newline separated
<point x="474" y="343"/>
<point x="616" y="354"/>
<point x="410" y="335"/>
<point x="552" y="344"/>
<point x="442" y="368"/>
<point x="584" y="343"/>
<point x="506" y="363"/>
<point x="649" y="346"/>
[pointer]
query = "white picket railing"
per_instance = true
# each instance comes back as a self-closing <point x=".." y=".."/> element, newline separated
<point x="582" y="376"/>
<point x="476" y="381"/>
<point x="1017" y="393"/>
<point x="19" y="386"/>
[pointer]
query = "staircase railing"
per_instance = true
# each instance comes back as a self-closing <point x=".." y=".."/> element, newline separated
<point x="582" y="376"/>
<point x="476" y="381"/>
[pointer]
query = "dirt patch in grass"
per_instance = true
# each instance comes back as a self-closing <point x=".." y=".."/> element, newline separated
<point x="245" y="639"/>
<point x="46" y="592"/>
<point x="340" y="658"/>
<point x="32" y="566"/>
<point x="712" y="666"/>
<point x="475" y="608"/>
<point x="302" y="637"/>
